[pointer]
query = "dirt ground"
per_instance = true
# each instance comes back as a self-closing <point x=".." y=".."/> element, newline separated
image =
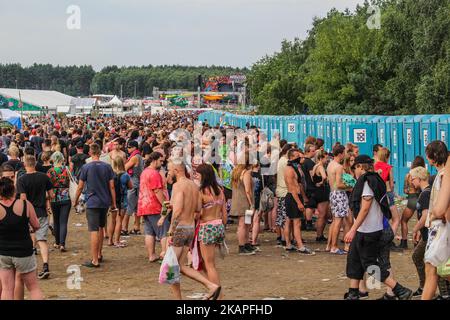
<point x="271" y="273"/>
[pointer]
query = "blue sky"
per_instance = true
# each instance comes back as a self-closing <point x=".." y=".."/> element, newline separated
<point x="141" y="32"/>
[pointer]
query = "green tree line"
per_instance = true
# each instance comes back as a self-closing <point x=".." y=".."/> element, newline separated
<point x="84" y="81"/>
<point x="344" y="67"/>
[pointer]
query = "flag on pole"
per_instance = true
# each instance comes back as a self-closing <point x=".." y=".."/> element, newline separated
<point x="20" y="106"/>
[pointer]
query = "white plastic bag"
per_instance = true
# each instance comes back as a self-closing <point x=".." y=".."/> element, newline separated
<point x="169" y="272"/>
<point x="73" y="186"/>
<point x="437" y="251"/>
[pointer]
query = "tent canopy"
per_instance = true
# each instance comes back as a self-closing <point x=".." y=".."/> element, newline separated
<point x="115" y="102"/>
<point x="11" y="116"/>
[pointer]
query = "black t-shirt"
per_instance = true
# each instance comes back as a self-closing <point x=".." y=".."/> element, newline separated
<point x="146" y="149"/>
<point x="41" y="168"/>
<point x="35" y="186"/>
<point x="423" y="203"/>
<point x="307" y="167"/>
<point x="37" y="141"/>
<point x="78" y="161"/>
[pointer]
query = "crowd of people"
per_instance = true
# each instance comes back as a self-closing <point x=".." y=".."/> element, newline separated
<point x="182" y="182"/>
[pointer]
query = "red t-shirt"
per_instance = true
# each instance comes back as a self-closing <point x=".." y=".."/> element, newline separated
<point x="383" y="169"/>
<point x="148" y="203"/>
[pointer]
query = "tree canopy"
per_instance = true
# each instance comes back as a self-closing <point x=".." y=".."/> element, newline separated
<point x="345" y="67"/>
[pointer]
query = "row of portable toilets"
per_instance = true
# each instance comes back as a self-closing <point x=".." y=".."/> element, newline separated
<point x="405" y="136"/>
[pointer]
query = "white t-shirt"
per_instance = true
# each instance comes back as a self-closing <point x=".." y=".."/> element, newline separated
<point x="374" y="219"/>
<point x="281" y="190"/>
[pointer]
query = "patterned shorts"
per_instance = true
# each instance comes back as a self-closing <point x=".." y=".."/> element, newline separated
<point x="339" y="204"/>
<point x="281" y="212"/>
<point x="183" y="236"/>
<point x="211" y="233"/>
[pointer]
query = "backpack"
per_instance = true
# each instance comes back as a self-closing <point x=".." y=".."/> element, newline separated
<point x="266" y="202"/>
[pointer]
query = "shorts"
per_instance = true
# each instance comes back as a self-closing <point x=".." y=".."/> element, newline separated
<point x="339" y="204"/>
<point x="412" y="201"/>
<point x="212" y="232"/>
<point x="22" y="265"/>
<point x="363" y="256"/>
<point x="312" y="201"/>
<point x="42" y="232"/>
<point x="391" y="199"/>
<point x="183" y="236"/>
<point x="292" y="210"/>
<point x="322" y="194"/>
<point x="281" y="212"/>
<point x="132" y="199"/>
<point x="96" y="218"/>
<point x="151" y="226"/>
<point x="387" y="236"/>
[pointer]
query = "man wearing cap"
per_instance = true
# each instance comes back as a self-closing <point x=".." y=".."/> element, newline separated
<point x="134" y="167"/>
<point x="371" y="210"/>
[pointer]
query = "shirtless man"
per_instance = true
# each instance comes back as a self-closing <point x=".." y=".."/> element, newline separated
<point x="293" y="202"/>
<point x="117" y="150"/>
<point x="338" y="197"/>
<point x="185" y="202"/>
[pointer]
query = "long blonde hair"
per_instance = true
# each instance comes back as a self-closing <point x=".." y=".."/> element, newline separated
<point x="118" y="165"/>
<point x="236" y="174"/>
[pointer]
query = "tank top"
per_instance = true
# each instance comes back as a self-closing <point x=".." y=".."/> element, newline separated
<point x="137" y="171"/>
<point x="239" y="202"/>
<point x="15" y="239"/>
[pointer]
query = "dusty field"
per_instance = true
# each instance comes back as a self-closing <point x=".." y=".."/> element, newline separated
<point x="272" y="273"/>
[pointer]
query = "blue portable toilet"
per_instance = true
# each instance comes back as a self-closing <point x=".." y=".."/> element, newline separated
<point x="442" y="127"/>
<point x="339" y="129"/>
<point x="302" y="130"/>
<point x="380" y="127"/>
<point x="291" y="129"/>
<point x="361" y="134"/>
<point x="335" y="124"/>
<point x="328" y="137"/>
<point x="426" y="135"/>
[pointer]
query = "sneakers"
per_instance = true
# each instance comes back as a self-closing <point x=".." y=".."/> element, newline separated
<point x="321" y="239"/>
<point x="387" y="297"/>
<point x="251" y="247"/>
<point x="279" y="242"/>
<point x="418" y="293"/>
<point x="243" y="251"/>
<point x="351" y="296"/>
<point x="405" y="294"/>
<point x="306" y="251"/>
<point x="361" y="295"/>
<point x="292" y="248"/>
<point x="45" y="273"/>
<point x="403" y="244"/>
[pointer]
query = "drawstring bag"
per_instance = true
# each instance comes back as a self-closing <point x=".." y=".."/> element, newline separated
<point x="437" y="251"/>
<point x="169" y="273"/>
<point x="73" y="185"/>
<point x="266" y="202"/>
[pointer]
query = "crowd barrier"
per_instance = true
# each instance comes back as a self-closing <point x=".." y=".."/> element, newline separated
<point x="405" y="136"/>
